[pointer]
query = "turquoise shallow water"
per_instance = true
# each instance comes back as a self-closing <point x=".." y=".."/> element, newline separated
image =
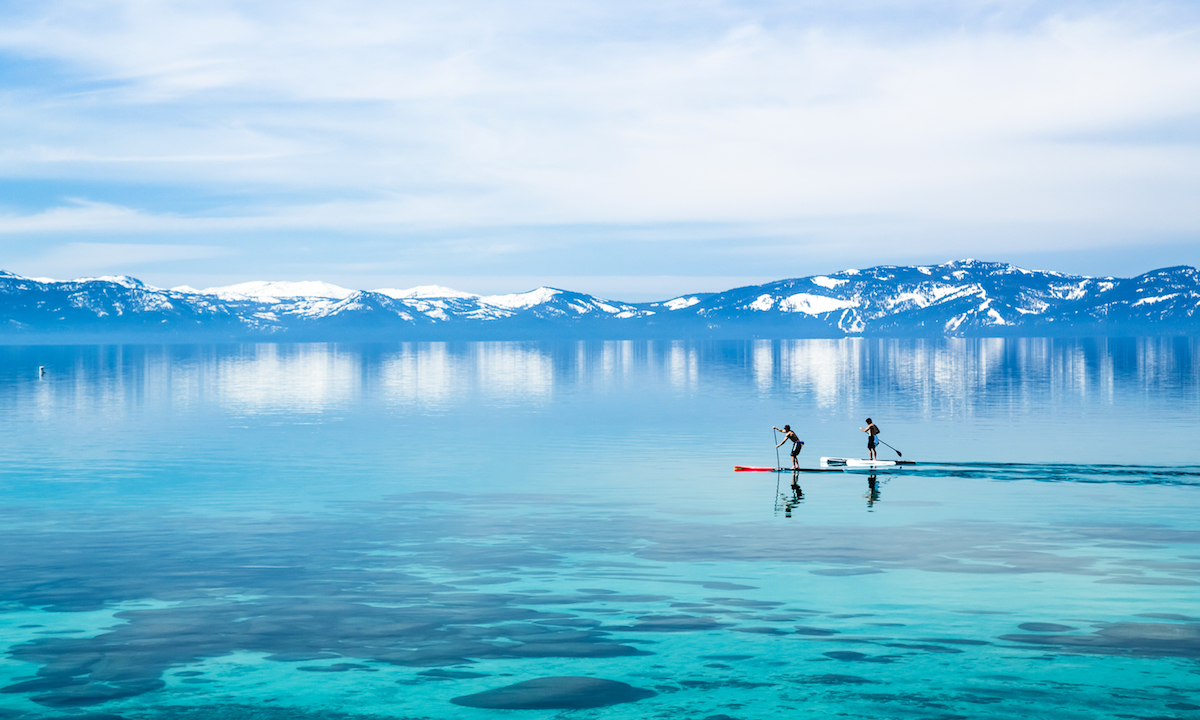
<point x="393" y="531"/>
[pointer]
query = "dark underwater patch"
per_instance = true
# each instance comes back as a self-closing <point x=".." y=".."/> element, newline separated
<point x="95" y="693"/>
<point x="45" y="683"/>
<point x="673" y="623"/>
<point x="485" y="581"/>
<point x="292" y="657"/>
<point x="926" y="648"/>
<point x="569" y="622"/>
<point x="452" y="674"/>
<point x="709" y="685"/>
<point x="1145" y="580"/>
<point x="851" y="656"/>
<point x="1135" y="639"/>
<point x="835" y="679"/>
<point x="556" y="693"/>
<point x="238" y="711"/>
<point x="446" y="629"/>
<point x="575" y="650"/>
<point x="757" y="617"/>
<point x="815" y="632"/>
<point x="1045" y="627"/>
<point x="743" y="603"/>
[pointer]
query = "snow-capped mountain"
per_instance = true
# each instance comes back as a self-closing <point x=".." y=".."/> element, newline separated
<point x="965" y="298"/>
<point x="962" y="298"/>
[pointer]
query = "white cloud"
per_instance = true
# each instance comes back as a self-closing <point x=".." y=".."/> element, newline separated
<point x="370" y="116"/>
<point x="78" y="259"/>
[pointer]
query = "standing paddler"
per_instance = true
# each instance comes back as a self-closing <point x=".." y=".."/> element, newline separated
<point x="789" y="434"/>
<point x="871" y="430"/>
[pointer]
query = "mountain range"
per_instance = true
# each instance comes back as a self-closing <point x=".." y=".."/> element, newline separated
<point x="965" y="298"/>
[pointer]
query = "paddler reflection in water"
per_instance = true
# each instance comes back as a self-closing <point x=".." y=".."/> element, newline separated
<point x="789" y="502"/>
<point x="788" y="434"/>
<point x="872" y="495"/>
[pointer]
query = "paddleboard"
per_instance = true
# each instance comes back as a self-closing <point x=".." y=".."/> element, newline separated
<point x="862" y="463"/>
<point x="742" y="468"/>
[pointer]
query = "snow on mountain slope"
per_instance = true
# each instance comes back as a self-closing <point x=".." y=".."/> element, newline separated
<point x="827" y="282"/>
<point x="679" y="303"/>
<point x="521" y="301"/>
<point x="123" y="280"/>
<point x="266" y="291"/>
<point x="425" y="291"/>
<point x="814" y="304"/>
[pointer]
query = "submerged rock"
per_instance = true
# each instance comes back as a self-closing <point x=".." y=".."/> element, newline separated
<point x="1045" y="627"/>
<point x="556" y="693"/>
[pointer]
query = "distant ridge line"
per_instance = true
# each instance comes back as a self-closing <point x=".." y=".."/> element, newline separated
<point x="962" y="298"/>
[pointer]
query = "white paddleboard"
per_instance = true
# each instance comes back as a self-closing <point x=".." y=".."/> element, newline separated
<point x="856" y="462"/>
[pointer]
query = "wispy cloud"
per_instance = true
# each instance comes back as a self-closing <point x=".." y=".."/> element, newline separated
<point x="78" y="259"/>
<point x="954" y="121"/>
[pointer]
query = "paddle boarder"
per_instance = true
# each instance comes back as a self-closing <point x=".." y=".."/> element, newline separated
<point x="871" y="432"/>
<point x="788" y="434"/>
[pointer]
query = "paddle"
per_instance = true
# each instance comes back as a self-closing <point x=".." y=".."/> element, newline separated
<point x="775" y="438"/>
<point x="898" y="453"/>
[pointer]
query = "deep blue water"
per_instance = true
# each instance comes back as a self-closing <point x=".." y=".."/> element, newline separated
<point x="289" y="531"/>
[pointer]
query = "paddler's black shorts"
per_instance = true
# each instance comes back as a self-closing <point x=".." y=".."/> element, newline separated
<point x="870" y="442"/>
<point x="796" y="448"/>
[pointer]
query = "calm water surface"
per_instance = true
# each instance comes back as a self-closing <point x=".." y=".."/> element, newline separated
<point x="409" y="531"/>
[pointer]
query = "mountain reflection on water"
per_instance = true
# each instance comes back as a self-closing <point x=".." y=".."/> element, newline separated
<point x="454" y="530"/>
<point x="931" y="374"/>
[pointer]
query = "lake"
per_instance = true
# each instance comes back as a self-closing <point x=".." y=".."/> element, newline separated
<point x="464" y="530"/>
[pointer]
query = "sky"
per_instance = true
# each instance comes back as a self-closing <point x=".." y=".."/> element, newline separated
<point x="636" y="150"/>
